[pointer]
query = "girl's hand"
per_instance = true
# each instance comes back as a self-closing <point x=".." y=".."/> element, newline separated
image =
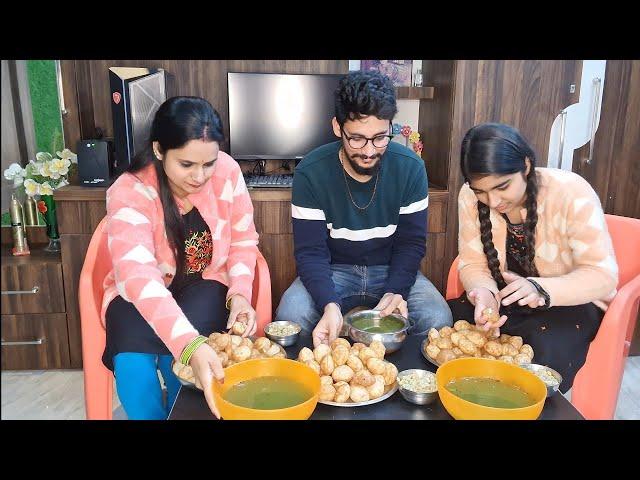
<point x="483" y="299"/>
<point x="520" y="290"/>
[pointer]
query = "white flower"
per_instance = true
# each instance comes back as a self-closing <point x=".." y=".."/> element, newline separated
<point x="14" y="170"/>
<point x="67" y="154"/>
<point x="31" y="187"/>
<point x="58" y="167"/>
<point x="43" y="168"/>
<point x="45" y="189"/>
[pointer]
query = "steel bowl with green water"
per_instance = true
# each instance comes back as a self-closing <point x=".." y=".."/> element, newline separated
<point x="367" y="325"/>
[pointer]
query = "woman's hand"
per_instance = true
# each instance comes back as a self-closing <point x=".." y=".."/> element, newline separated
<point x="520" y="290"/>
<point x="206" y="365"/>
<point x="483" y="298"/>
<point x="243" y="316"/>
<point x="392" y="302"/>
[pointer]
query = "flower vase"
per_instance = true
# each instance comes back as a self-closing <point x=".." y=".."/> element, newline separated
<point x="47" y="206"/>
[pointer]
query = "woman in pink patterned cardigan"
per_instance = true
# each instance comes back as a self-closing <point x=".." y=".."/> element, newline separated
<point x="533" y="245"/>
<point x="183" y="247"/>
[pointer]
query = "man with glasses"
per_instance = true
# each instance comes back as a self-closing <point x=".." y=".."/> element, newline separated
<point x="359" y="208"/>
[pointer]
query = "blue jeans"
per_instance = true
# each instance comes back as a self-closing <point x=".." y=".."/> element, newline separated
<point x="361" y="285"/>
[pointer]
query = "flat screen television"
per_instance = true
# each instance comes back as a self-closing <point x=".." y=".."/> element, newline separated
<point x="279" y="116"/>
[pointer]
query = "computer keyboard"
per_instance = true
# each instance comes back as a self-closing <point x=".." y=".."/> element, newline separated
<point x="268" y="181"/>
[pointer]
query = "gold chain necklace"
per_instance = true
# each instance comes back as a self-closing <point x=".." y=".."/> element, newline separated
<point x="375" y="186"/>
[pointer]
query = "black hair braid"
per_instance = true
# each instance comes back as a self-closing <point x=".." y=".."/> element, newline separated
<point x="531" y="204"/>
<point x="487" y="245"/>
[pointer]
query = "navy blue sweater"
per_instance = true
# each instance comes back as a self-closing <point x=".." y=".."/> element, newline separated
<point x="328" y="228"/>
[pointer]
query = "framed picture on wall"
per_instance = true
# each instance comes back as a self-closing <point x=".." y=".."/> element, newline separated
<point x="399" y="71"/>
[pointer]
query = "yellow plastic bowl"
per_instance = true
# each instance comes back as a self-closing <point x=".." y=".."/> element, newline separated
<point x="262" y="367"/>
<point x="498" y="370"/>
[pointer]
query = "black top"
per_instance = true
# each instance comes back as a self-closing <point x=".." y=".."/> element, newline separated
<point x="198" y="249"/>
<point x="516" y="247"/>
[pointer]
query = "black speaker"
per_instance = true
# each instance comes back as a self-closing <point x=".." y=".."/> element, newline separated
<point x="95" y="162"/>
<point x="136" y="95"/>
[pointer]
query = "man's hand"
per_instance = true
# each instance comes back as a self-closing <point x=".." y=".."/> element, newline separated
<point x="242" y="317"/>
<point x="328" y="327"/>
<point x="483" y="298"/>
<point x="392" y="302"/>
<point x="520" y="290"/>
<point x="206" y="365"/>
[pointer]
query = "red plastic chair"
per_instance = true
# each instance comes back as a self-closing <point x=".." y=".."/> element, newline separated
<point x="98" y="380"/>
<point x="597" y="384"/>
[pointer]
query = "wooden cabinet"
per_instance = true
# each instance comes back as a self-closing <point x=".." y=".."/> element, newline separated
<point x="34" y="322"/>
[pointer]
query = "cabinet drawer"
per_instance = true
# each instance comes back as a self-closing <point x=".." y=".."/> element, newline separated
<point x="35" y="341"/>
<point x="32" y="288"/>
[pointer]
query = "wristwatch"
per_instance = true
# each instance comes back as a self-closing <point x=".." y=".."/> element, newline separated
<point x="543" y="293"/>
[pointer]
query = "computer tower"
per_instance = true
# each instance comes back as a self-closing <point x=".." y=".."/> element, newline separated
<point x="95" y="162"/>
<point x="136" y="95"/>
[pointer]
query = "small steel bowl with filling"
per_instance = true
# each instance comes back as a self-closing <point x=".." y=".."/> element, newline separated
<point x="549" y="376"/>
<point x="418" y="386"/>
<point x="283" y="332"/>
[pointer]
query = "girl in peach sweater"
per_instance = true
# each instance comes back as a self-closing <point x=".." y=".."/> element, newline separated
<point x="183" y="246"/>
<point x="533" y="245"/>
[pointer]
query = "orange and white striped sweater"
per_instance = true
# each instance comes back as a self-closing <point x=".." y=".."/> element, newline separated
<point x="574" y="253"/>
<point x="143" y="264"/>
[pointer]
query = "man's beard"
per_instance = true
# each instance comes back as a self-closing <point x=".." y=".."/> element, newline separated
<point x="370" y="171"/>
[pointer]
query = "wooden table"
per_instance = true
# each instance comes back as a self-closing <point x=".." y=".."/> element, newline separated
<point x="191" y="405"/>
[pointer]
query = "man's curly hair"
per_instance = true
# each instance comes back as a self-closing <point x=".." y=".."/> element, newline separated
<point x="363" y="93"/>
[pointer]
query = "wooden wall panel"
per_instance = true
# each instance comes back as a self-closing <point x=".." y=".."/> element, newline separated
<point x="435" y="120"/>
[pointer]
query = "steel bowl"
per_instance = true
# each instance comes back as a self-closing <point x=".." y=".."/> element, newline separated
<point x="538" y="369"/>
<point x="284" y="340"/>
<point x="392" y="341"/>
<point x="417" y="397"/>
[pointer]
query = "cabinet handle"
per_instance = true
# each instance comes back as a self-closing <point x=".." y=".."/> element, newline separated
<point x="35" y="289"/>
<point x="563" y="125"/>
<point x="28" y="342"/>
<point x="594" y="117"/>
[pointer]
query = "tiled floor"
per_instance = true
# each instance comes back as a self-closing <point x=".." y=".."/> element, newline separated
<point x="58" y="395"/>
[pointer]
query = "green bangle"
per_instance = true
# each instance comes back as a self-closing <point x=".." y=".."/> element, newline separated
<point x="185" y="357"/>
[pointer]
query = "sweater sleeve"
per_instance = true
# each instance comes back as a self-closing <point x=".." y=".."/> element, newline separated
<point x="410" y="242"/>
<point x="310" y="243"/>
<point x="243" y="250"/>
<point x="138" y="279"/>
<point x="472" y="267"/>
<point x="595" y="272"/>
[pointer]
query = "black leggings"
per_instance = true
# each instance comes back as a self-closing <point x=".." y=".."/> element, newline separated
<point x="560" y="336"/>
<point x="202" y="302"/>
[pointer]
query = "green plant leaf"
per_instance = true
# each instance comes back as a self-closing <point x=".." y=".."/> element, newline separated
<point x="6" y="219"/>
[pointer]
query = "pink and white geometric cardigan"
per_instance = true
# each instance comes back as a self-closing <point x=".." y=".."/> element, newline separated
<point x="143" y="264"/>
